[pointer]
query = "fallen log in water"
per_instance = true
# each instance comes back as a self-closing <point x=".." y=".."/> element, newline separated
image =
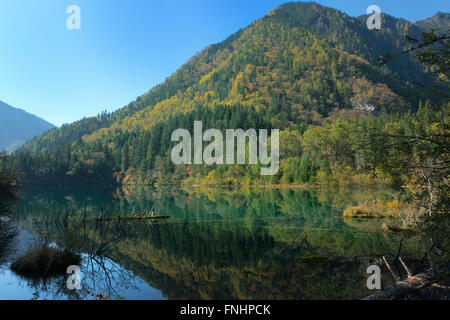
<point x="149" y="216"/>
<point x="422" y="285"/>
<point x="132" y="218"/>
<point x="403" y="288"/>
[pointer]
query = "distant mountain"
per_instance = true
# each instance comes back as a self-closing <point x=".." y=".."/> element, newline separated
<point x="440" y="21"/>
<point x="286" y="70"/>
<point x="18" y="126"/>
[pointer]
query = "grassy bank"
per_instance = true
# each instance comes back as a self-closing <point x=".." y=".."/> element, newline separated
<point x="393" y="209"/>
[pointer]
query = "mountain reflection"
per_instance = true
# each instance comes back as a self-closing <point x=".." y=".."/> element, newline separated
<point x="217" y="244"/>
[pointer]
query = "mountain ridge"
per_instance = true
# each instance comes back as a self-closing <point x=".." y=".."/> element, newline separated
<point x="312" y="16"/>
<point x="18" y="126"/>
<point x="289" y="70"/>
<point x="440" y="21"/>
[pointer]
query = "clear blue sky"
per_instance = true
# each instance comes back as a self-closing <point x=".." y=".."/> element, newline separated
<point x="125" y="47"/>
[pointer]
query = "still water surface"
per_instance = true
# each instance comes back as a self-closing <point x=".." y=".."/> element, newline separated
<point x="217" y="243"/>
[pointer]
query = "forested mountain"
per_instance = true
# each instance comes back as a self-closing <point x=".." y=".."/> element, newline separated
<point x="292" y="69"/>
<point x="18" y="126"/>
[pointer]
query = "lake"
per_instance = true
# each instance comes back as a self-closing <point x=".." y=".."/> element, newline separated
<point x="217" y="244"/>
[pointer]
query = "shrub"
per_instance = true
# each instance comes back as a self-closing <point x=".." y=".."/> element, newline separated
<point x="45" y="261"/>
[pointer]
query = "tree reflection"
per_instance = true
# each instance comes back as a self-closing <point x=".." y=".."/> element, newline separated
<point x="101" y="276"/>
<point x="8" y="231"/>
<point x="263" y="244"/>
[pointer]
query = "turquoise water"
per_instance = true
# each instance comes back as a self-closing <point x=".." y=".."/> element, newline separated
<point x="217" y="243"/>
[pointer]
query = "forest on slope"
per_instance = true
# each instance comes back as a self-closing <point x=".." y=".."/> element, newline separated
<point x="304" y="69"/>
<point x="315" y="74"/>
